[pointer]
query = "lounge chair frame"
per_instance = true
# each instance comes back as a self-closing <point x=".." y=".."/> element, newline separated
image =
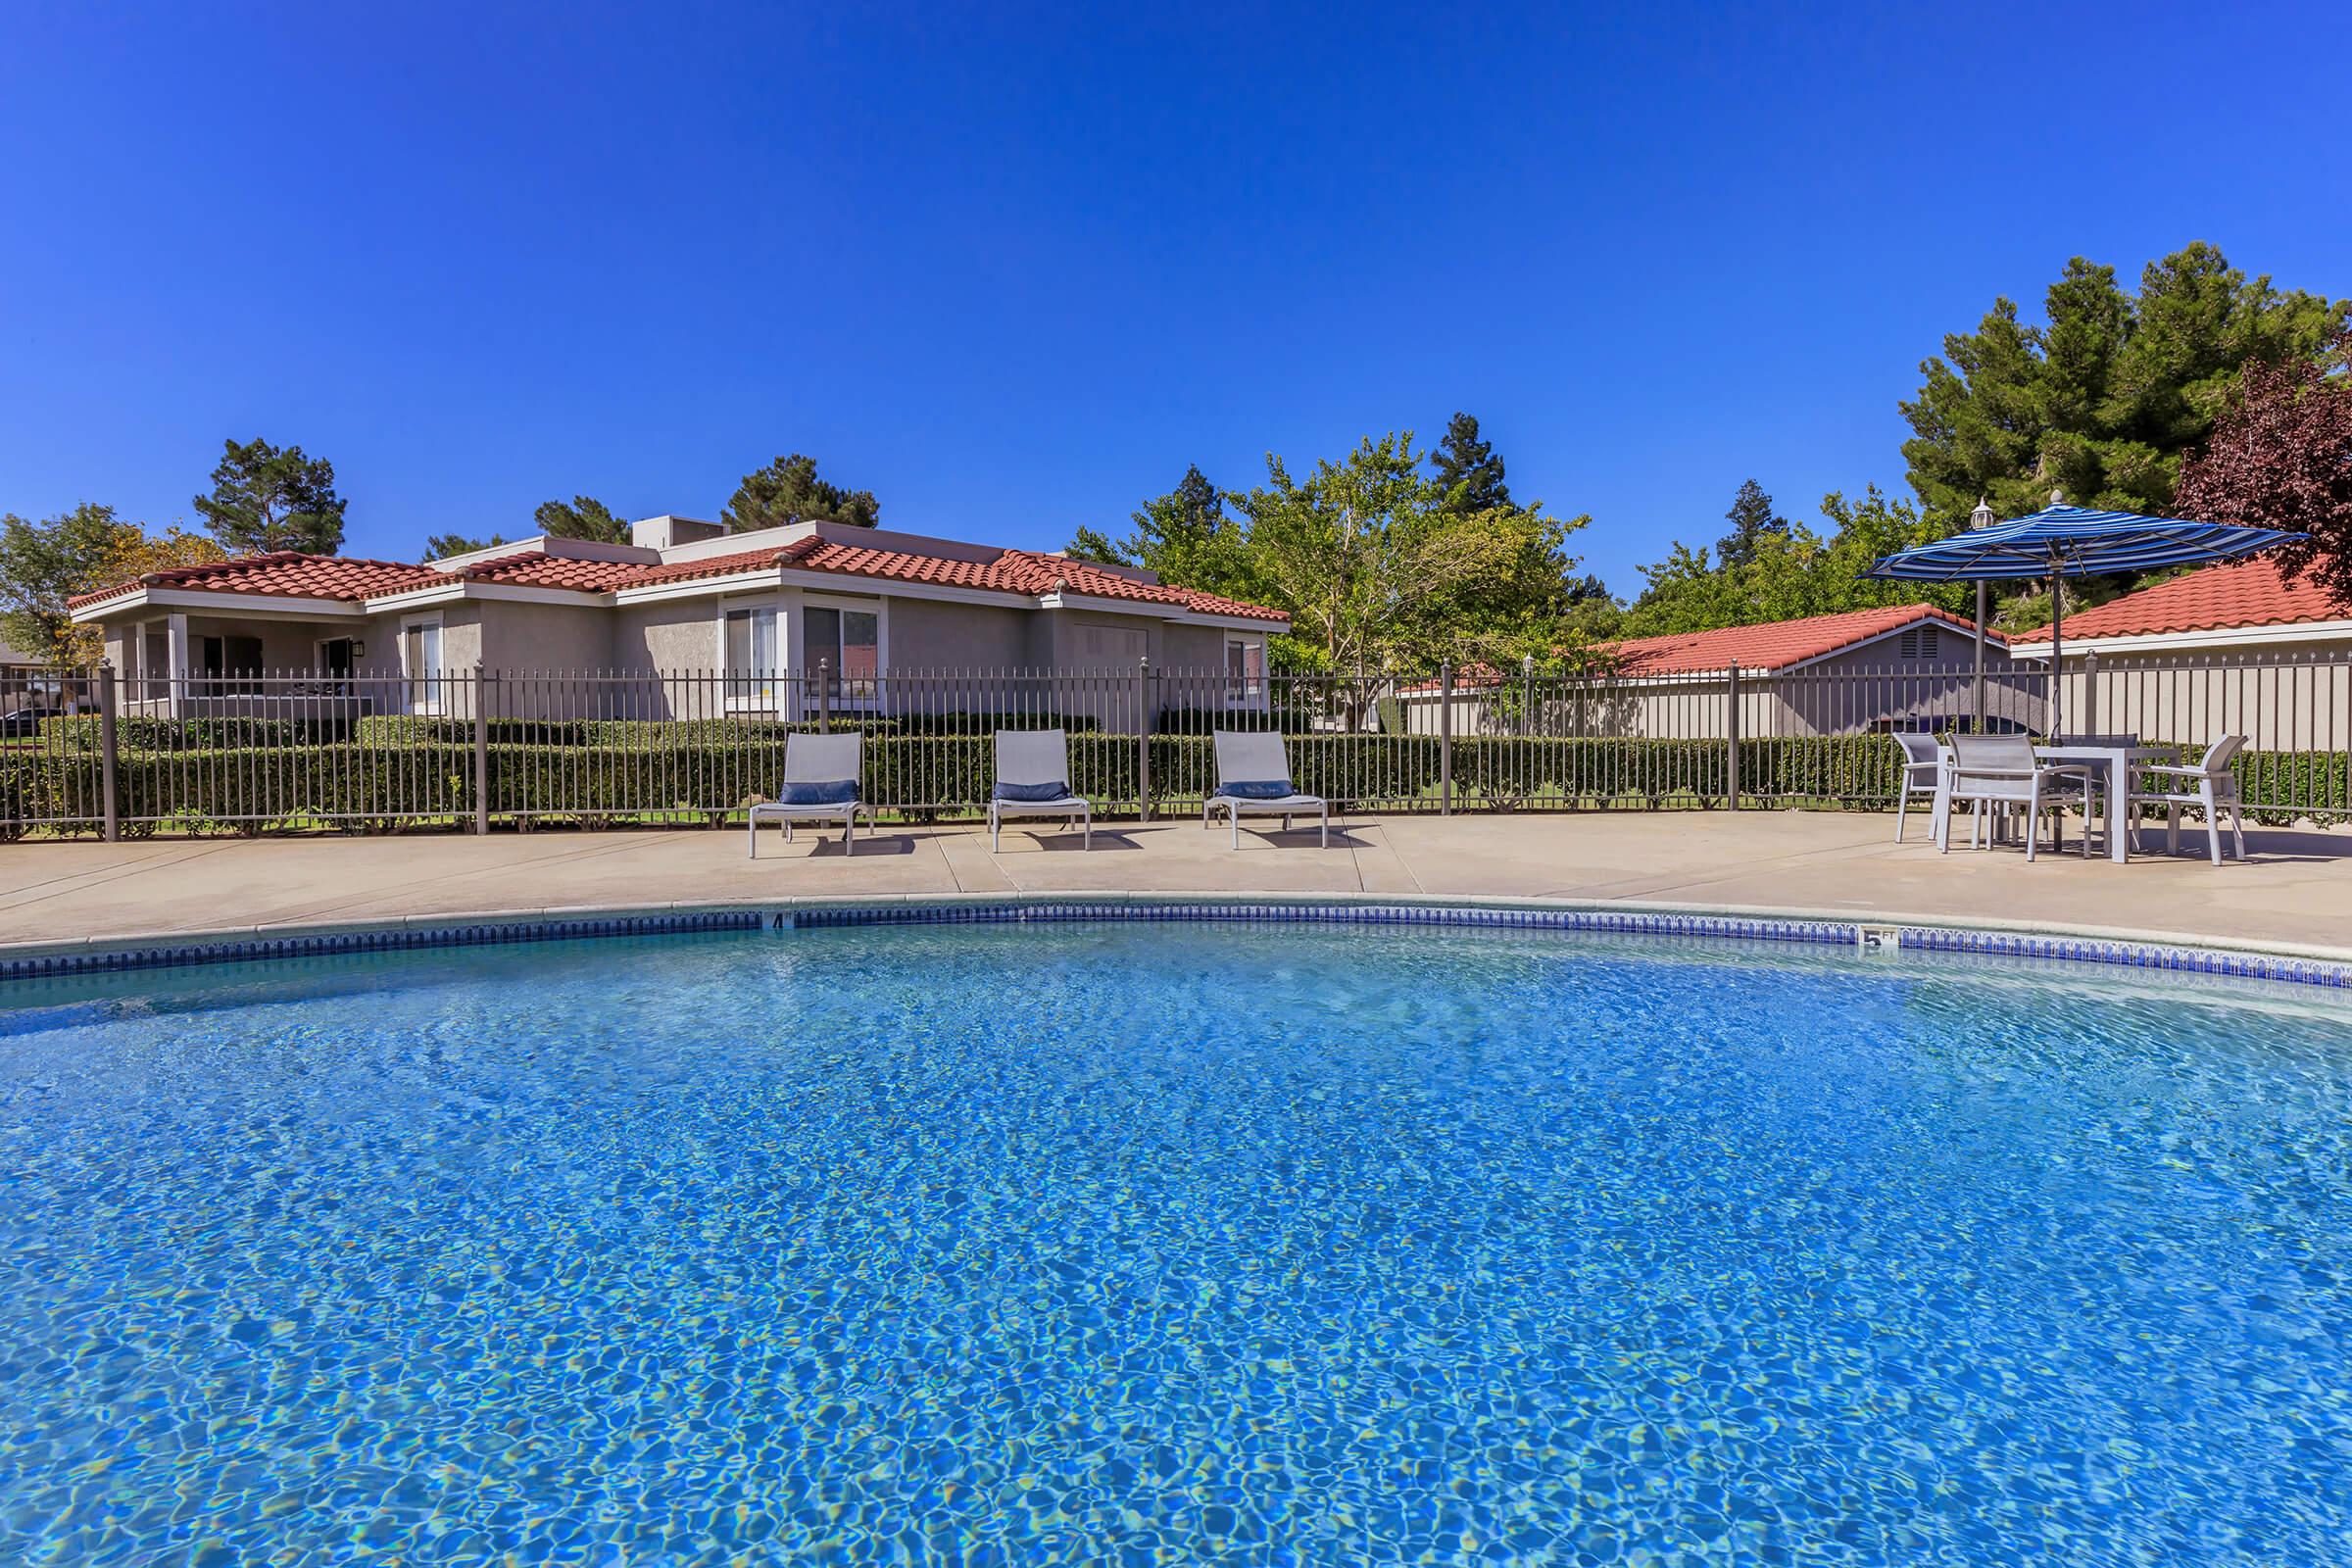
<point x="817" y="759"/>
<point x="1036" y="757"/>
<point x="1250" y="754"/>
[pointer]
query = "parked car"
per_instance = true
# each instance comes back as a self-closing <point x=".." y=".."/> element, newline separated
<point x="21" y="722"/>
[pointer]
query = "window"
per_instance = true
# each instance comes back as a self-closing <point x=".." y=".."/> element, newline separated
<point x="849" y="642"/>
<point x="420" y="661"/>
<point x="1920" y="644"/>
<point x="1244" y="670"/>
<point x="228" y="664"/>
<point x="751" y="656"/>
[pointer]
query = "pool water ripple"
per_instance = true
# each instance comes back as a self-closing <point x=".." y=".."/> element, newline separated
<point x="1153" y="1243"/>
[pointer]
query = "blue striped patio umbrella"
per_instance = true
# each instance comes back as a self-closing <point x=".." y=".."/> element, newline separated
<point x="2059" y="542"/>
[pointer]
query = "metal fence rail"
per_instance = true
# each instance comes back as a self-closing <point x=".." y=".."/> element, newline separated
<point x="93" y="752"/>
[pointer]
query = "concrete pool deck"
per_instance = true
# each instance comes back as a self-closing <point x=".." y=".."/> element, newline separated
<point x="2293" y="895"/>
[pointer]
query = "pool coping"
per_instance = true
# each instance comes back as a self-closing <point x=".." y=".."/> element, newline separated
<point x="1885" y="932"/>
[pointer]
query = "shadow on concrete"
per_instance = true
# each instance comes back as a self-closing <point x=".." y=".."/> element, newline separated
<point x="870" y="842"/>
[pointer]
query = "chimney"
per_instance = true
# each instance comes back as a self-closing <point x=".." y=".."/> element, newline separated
<point x="665" y="531"/>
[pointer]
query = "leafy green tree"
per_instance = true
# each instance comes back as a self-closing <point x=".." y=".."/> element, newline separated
<point x="43" y="565"/>
<point x="1378" y="569"/>
<point x="1592" y="614"/>
<point x="267" y="498"/>
<point x="1752" y="519"/>
<point x="585" y="518"/>
<point x="1798" y="573"/>
<point x="788" y="490"/>
<point x="1468" y="472"/>
<point x="2103" y="400"/>
<point x="1186" y="537"/>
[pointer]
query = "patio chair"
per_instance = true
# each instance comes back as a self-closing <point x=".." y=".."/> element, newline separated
<point x="1253" y="776"/>
<point x="1924" y="759"/>
<point x="819" y="785"/>
<point x="1033" y="779"/>
<point x="2209" y="785"/>
<point x="2001" y="770"/>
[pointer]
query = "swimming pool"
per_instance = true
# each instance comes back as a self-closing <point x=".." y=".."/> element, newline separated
<point x="1173" y="1243"/>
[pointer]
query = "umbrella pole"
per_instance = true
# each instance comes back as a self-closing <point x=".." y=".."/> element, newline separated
<point x="2057" y="669"/>
<point x="1980" y="655"/>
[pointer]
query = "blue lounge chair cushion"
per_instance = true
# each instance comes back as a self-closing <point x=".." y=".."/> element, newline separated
<point x="836" y="792"/>
<point x="1258" y="789"/>
<point x="1058" y="790"/>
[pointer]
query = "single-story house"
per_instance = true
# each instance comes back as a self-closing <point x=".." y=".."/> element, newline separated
<point x="685" y="620"/>
<point x="2228" y="649"/>
<point x="1900" y="667"/>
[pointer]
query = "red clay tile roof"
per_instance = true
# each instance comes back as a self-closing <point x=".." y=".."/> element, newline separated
<point x="535" y="569"/>
<point x="283" y="575"/>
<point x="1771" y="645"/>
<point x="2236" y="593"/>
<point x="1023" y="572"/>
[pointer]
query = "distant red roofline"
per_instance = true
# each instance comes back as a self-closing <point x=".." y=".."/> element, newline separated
<point x="1756" y="646"/>
<point x="1776" y="644"/>
<point x="2230" y="596"/>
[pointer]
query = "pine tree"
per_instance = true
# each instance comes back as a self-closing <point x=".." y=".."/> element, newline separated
<point x="1752" y="519"/>
<point x="788" y="490"/>
<point x="267" y="498"/>
<point x="583" y="517"/>
<point x="1469" y="473"/>
<point x="1184" y="536"/>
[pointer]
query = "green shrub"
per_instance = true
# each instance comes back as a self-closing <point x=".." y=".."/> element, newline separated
<point x="140" y="733"/>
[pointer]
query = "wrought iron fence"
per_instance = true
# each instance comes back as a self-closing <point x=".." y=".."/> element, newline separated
<point x="90" y="752"/>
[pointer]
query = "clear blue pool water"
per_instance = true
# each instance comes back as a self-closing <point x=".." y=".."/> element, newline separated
<point x="1173" y="1244"/>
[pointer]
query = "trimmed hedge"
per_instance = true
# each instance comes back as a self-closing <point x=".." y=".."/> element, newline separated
<point x="672" y="769"/>
<point x="137" y="733"/>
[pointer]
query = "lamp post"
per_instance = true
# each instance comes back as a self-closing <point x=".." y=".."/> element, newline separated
<point x="1981" y="517"/>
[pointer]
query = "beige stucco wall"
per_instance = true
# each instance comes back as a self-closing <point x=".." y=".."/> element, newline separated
<point x="1862" y="689"/>
<point x="677" y="639"/>
<point x="571" y="638"/>
<point x="2282" y="696"/>
<point x="931" y="635"/>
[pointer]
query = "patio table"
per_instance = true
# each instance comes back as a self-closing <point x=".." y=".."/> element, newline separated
<point x="2118" y="762"/>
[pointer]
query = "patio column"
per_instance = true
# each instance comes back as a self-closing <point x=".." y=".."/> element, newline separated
<point x="176" y="688"/>
<point x="793" y="699"/>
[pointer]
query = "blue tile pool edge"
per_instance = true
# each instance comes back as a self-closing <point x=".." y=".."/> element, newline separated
<point x="1908" y="936"/>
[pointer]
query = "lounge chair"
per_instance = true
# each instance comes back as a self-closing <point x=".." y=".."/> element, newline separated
<point x="2001" y="770"/>
<point x="1925" y="758"/>
<point x="1253" y="776"/>
<point x="1033" y="779"/>
<point x="2210" y="785"/>
<point x="819" y="785"/>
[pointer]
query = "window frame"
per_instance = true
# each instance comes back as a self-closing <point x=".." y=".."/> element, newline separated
<point x="1246" y="690"/>
<point x="871" y="701"/>
<point x="737" y="694"/>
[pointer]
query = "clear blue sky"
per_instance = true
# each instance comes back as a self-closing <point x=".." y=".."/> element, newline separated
<point x="1012" y="270"/>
